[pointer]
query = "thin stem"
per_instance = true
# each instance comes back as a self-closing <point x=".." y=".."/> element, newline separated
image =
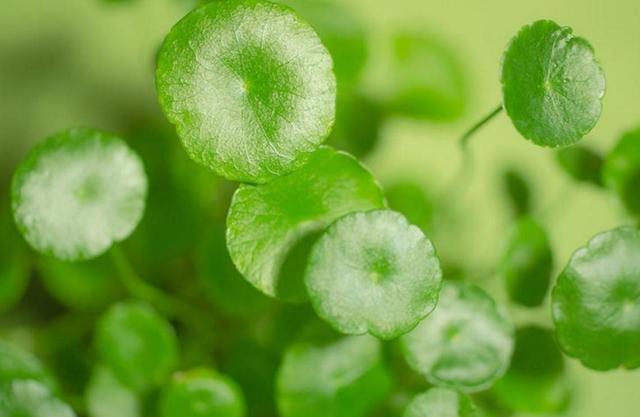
<point x="170" y="306"/>
<point x="464" y="139"/>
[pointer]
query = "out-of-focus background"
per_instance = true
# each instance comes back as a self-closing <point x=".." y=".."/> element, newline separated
<point x="70" y="63"/>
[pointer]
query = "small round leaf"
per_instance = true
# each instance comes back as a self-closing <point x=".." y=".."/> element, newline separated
<point x="77" y="193"/>
<point x="265" y="222"/>
<point x="30" y="398"/>
<point x="137" y="344"/>
<point x="517" y="191"/>
<point x="596" y="301"/>
<point x="323" y="376"/>
<point x="366" y="261"/>
<point x="552" y="85"/>
<point x="527" y="263"/>
<point x="441" y="402"/>
<point x="465" y="344"/>
<point x="249" y="86"/>
<point x="621" y="172"/>
<point x="202" y="393"/>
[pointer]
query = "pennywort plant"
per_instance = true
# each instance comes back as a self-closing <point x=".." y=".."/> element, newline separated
<point x="313" y="276"/>
<point x="552" y="85"/>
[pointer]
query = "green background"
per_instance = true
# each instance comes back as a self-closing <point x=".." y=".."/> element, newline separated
<point x="83" y="62"/>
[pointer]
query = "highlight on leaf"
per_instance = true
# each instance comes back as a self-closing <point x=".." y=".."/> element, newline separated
<point x="370" y="259"/>
<point x="249" y="87"/>
<point x="77" y="193"/>
<point x="596" y="301"/>
<point x="106" y="396"/>
<point x="465" y="344"/>
<point x="30" y="398"/>
<point x="291" y="208"/>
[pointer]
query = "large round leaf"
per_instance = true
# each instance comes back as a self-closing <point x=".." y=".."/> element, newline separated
<point x="465" y="344"/>
<point x="266" y="221"/>
<point x="552" y="85"/>
<point x="249" y="86"/>
<point x="596" y="301"/>
<point x="77" y="193"/>
<point x="373" y="272"/>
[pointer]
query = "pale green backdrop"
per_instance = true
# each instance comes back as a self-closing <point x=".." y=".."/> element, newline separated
<point x="79" y="62"/>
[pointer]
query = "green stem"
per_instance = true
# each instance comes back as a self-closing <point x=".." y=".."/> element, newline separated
<point x="464" y="139"/>
<point x="168" y="305"/>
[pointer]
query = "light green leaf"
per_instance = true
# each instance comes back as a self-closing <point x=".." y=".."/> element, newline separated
<point x="325" y="376"/>
<point x="137" y="345"/>
<point x="441" y="402"/>
<point x="596" y="301"/>
<point x="527" y="263"/>
<point x="552" y="84"/>
<point x="266" y="221"/>
<point x="77" y="193"/>
<point x="366" y="261"/>
<point x="202" y="393"/>
<point x="30" y="398"/>
<point x="108" y="397"/>
<point x="249" y="86"/>
<point x="465" y="344"/>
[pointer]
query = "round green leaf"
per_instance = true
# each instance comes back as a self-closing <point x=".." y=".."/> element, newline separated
<point x="107" y="397"/>
<point x="527" y="263"/>
<point x="581" y="163"/>
<point x="249" y="86"/>
<point x="90" y="285"/>
<point x="359" y="120"/>
<point x="77" y="193"/>
<point x="441" y="402"/>
<point x="137" y="344"/>
<point x="341" y="33"/>
<point x="410" y="199"/>
<point x="202" y="393"/>
<point x="17" y="364"/>
<point x="266" y="221"/>
<point x="552" y="85"/>
<point x="621" y="171"/>
<point x="596" y="301"/>
<point x="535" y="381"/>
<point x="429" y="80"/>
<point x="368" y="260"/>
<point x="325" y="376"/>
<point x="465" y="344"/>
<point x="30" y="398"/>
